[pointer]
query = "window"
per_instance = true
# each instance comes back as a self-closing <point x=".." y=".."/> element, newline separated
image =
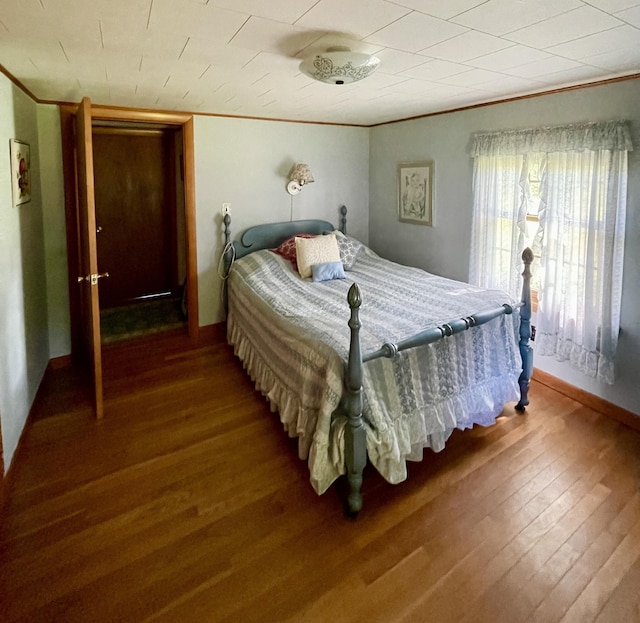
<point x="562" y="192"/>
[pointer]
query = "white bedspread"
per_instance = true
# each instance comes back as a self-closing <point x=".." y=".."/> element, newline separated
<point x="293" y="338"/>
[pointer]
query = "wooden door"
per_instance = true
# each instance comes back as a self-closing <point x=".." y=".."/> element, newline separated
<point x="88" y="277"/>
<point x="181" y="121"/>
<point x="134" y="172"/>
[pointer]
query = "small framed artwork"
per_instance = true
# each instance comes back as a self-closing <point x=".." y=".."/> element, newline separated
<point x="20" y="172"/>
<point x="415" y="193"/>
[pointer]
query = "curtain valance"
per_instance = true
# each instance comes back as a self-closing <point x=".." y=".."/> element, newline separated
<point x="610" y="135"/>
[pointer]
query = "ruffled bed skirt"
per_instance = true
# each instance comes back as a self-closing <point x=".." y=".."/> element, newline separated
<point x="320" y="432"/>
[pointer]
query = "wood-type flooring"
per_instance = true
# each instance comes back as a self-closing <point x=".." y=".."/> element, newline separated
<point x="188" y="503"/>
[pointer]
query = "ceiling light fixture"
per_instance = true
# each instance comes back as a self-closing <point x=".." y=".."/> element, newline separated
<point x="339" y="65"/>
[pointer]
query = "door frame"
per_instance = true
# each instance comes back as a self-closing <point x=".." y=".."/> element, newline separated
<point x="105" y="113"/>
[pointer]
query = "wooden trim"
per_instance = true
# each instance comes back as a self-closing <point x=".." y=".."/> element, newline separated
<point x="108" y="113"/>
<point x="2" y="477"/>
<point x="120" y="131"/>
<point x="158" y="116"/>
<point x="188" y="157"/>
<point x="513" y="99"/>
<point x="591" y="401"/>
<point x="19" y="84"/>
<point x="59" y="363"/>
<point x="6" y="479"/>
<point x="212" y="334"/>
<point x="102" y="113"/>
<point x="113" y="113"/>
<point x="125" y="113"/>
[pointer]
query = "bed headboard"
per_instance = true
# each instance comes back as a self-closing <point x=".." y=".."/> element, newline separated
<point x="271" y="235"/>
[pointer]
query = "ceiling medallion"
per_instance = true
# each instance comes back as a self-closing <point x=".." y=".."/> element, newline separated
<point x="339" y="65"/>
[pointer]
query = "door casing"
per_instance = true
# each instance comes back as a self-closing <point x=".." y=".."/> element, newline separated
<point x="103" y="113"/>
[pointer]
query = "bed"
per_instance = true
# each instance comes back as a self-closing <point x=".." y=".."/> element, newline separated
<point x="376" y="364"/>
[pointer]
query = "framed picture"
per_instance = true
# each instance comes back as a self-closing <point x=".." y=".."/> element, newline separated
<point x="415" y="193"/>
<point x="20" y="171"/>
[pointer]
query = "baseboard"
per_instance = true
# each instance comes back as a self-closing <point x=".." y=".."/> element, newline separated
<point x="2" y="477"/>
<point x="213" y="333"/>
<point x="588" y="400"/>
<point x="58" y="363"/>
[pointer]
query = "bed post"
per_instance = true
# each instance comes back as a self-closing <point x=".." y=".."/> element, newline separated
<point x="526" y="352"/>
<point x="227" y="230"/>
<point x="343" y="219"/>
<point x="227" y="258"/>
<point x="354" y="436"/>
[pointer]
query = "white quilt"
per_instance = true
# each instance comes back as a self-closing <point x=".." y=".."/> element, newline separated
<point x="292" y="337"/>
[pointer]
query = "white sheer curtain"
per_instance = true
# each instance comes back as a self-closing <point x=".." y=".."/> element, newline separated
<point x="581" y="231"/>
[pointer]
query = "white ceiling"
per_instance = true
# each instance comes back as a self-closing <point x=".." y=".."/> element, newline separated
<point x="241" y="57"/>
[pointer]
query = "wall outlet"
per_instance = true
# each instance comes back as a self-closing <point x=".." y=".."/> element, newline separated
<point x="226" y="209"/>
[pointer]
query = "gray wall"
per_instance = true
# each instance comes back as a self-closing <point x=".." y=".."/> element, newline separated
<point x="444" y="249"/>
<point x="24" y="335"/>
<point x="55" y="232"/>
<point x="246" y="163"/>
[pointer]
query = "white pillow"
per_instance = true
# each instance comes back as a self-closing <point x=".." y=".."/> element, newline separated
<point x="316" y="250"/>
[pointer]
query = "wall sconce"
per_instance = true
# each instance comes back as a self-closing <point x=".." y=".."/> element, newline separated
<point x="300" y="176"/>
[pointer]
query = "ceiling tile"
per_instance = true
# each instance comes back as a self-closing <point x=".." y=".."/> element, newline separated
<point x="287" y="11"/>
<point x="195" y="20"/>
<point x="473" y="77"/>
<point x="631" y="16"/>
<point x="395" y="61"/>
<point x="498" y="17"/>
<point x="438" y="8"/>
<point x="599" y="43"/>
<point x="269" y="62"/>
<point x="415" y="32"/>
<point x="412" y="86"/>
<point x="612" y="6"/>
<point x="357" y="17"/>
<point x="203" y="51"/>
<point x="539" y="69"/>
<point x="466" y="46"/>
<point x="510" y="57"/>
<point x="571" y="25"/>
<point x="265" y="35"/>
<point x="434" y="70"/>
<point x="572" y="76"/>
<point x="509" y="85"/>
<point x="169" y="47"/>
<point x="627" y="58"/>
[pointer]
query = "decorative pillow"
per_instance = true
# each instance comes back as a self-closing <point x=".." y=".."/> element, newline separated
<point x="288" y="248"/>
<point x="349" y="249"/>
<point x="327" y="271"/>
<point x="316" y="250"/>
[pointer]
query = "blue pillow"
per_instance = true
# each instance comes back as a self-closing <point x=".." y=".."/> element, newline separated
<point x="327" y="271"/>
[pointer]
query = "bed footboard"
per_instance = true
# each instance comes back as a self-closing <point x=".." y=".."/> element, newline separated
<point x="355" y="438"/>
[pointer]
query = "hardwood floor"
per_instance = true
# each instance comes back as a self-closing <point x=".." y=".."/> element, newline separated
<point x="188" y="503"/>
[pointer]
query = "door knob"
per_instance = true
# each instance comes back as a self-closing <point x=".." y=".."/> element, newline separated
<point x="93" y="278"/>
